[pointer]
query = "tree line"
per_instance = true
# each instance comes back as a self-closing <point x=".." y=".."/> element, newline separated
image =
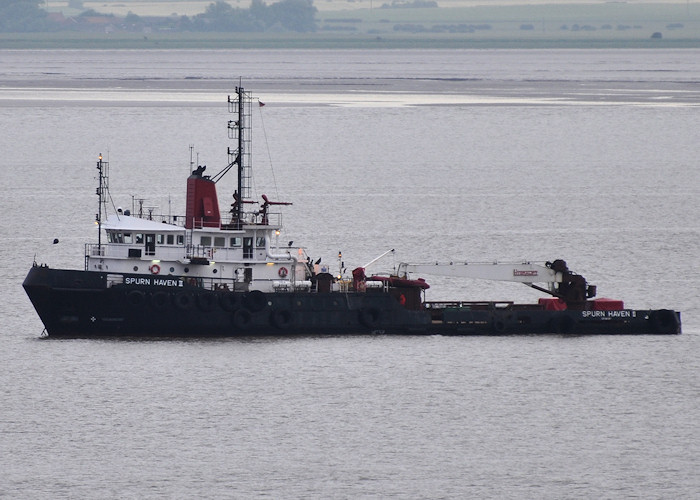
<point x="285" y="15"/>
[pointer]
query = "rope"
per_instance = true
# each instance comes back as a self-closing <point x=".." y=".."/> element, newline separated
<point x="269" y="156"/>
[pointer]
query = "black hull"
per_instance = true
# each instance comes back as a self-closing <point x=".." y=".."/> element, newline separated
<point x="85" y="304"/>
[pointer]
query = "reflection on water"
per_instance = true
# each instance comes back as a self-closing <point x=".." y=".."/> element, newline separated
<point x="381" y="78"/>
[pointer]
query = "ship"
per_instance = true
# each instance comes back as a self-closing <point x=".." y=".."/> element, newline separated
<point x="209" y="273"/>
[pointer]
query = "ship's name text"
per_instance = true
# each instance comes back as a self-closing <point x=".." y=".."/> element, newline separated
<point x="153" y="281"/>
<point x="609" y="314"/>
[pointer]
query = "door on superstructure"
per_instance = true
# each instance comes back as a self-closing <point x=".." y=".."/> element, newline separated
<point x="247" y="248"/>
<point x="150" y="244"/>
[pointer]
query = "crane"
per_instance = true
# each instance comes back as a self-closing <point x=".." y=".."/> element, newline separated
<point x="560" y="281"/>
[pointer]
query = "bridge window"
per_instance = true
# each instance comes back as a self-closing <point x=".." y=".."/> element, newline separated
<point x="260" y="241"/>
<point x="235" y="242"/>
<point x="205" y="241"/>
<point x="127" y="238"/>
<point x="219" y="241"/>
<point x="170" y="239"/>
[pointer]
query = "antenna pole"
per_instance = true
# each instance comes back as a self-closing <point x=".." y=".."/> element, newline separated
<point x="103" y="186"/>
<point x="241" y="114"/>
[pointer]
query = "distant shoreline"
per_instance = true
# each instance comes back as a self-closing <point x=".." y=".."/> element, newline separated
<point x="161" y="41"/>
<point x="525" y="26"/>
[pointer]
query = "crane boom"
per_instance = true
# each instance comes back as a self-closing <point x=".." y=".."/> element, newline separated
<point x="561" y="282"/>
<point x="521" y="272"/>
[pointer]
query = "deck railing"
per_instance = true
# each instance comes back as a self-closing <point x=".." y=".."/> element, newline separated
<point x="249" y="218"/>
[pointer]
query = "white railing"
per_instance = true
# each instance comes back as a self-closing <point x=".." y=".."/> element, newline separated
<point x="249" y="218"/>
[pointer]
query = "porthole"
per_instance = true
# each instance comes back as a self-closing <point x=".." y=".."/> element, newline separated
<point x="136" y="268"/>
<point x="172" y="269"/>
<point x="187" y="269"/>
<point x="215" y="271"/>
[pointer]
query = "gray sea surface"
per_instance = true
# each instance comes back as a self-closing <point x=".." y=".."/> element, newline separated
<point x="475" y="155"/>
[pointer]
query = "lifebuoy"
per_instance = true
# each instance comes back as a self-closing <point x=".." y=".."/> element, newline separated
<point x="283" y="272"/>
<point x="155" y="269"/>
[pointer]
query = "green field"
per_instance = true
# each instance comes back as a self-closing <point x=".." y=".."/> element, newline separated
<point x="516" y="26"/>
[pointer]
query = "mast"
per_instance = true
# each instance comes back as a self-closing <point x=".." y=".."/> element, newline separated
<point x="102" y="189"/>
<point x="241" y="118"/>
<point x="239" y="130"/>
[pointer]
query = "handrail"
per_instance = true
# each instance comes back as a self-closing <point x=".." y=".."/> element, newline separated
<point x="493" y="304"/>
<point x="249" y="218"/>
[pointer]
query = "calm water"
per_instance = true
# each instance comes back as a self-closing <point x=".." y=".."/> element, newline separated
<point x="590" y="156"/>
